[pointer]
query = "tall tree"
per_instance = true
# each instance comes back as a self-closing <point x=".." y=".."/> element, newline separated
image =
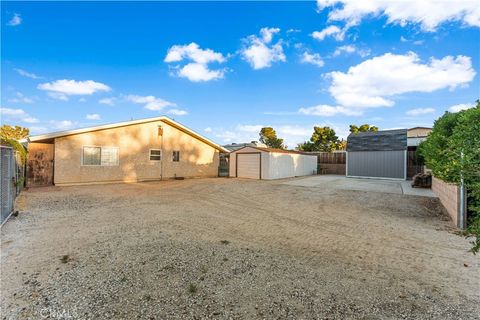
<point x="323" y="139"/>
<point x="269" y="137"/>
<point x="363" y="128"/>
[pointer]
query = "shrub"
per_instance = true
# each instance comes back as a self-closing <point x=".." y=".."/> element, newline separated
<point x="452" y="152"/>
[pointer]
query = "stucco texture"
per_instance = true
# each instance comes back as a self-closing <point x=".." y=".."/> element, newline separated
<point x="197" y="158"/>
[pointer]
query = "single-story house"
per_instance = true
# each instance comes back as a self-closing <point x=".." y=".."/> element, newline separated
<point x="416" y="135"/>
<point x="139" y="150"/>
<point x="381" y="154"/>
<point x="269" y="163"/>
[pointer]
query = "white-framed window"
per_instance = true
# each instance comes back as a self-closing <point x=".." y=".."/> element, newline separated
<point x="155" y="154"/>
<point x="176" y="156"/>
<point x="100" y="156"/>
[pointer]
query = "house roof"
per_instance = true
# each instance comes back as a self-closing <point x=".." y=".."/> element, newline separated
<point x="378" y="141"/>
<point x="49" y="137"/>
<point x="274" y="150"/>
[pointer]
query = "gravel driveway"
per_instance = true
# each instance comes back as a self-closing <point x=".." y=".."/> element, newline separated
<point x="232" y="248"/>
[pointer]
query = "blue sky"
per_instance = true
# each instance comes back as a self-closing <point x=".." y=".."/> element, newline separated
<point x="225" y="69"/>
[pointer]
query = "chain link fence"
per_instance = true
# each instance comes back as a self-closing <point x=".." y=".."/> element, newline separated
<point x="12" y="180"/>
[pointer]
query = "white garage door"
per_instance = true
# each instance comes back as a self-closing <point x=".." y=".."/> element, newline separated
<point x="248" y="165"/>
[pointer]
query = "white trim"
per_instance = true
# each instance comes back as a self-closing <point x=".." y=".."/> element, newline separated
<point x="165" y="119"/>
<point x="346" y="163"/>
<point x="150" y="154"/>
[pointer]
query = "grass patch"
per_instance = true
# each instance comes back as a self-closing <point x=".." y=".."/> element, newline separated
<point x="65" y="258"/>
<point x="225" y="242"/>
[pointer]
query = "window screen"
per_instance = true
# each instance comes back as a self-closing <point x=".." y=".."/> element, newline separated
<point x="100" y="156"/>
<point x="109" y="156"/>
<point x="176" y="156"/>
<point x="91" y="156"/>
<point x="155" y="155"/>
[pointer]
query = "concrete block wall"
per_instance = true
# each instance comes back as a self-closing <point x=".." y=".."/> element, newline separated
<point x="449" y="195"/>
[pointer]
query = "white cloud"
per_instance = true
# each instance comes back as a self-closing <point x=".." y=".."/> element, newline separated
<point x="249" y="128"/>
<point x="92" y="116"/>
<point x="428" y="13"/>
<point x="62" y="124"/>
<point x="420" y="111"/>
<point x="403" y="39"/>
<point x="82" y="100"/>
<point x="58" y="96"/>
<point x="17" y="115"/>
<point x="107" y="101"/>
<point x="374" y="82"/>
<point x="151" y="102"/>
<point x="259" y="52"/>
<point x="329" y="111"/>
<point x="15" y="20"/>
<point x="208" y="129"/>
<point x="197" y="70"/>
<point x="27" y="74"/>
<point x="460" y="107"/>
<point x="333" y="31"/>
<point x="21" y="98"/>
<point x="267" y="34"/>
<point x="177" y="112"/>
<point x="61" y="89"/>
<point x="351" y="49"/>
<point x="315" y="59"/>
<point x="193" y="52"/>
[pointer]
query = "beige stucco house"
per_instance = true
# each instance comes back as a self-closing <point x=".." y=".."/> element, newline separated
<point x="140" y="150"/>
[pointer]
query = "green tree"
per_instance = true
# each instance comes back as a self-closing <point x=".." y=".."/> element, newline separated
<point x="452" y="152"/>
<point x="269" y="137"/>
<point x="363" y="128"/>
<point x="11" y="135"/>
<point x="323" y="139"/>
<point x="13" y="132"/>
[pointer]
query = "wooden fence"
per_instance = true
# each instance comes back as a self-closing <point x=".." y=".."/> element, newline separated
<point x="331" y="162"/>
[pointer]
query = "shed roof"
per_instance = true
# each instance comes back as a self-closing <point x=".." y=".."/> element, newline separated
<point x="49" y="137"/>
<point x="384" y="140"/>
<point x="274" y="150"/>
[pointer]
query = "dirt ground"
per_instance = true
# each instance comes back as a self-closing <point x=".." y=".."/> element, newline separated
<point x="231" y="248"/>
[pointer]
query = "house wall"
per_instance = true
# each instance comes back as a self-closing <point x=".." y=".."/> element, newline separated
<point x="197" y="159"/>
<point x="376" y="164"/>
<point x="418" y="132"/>
<point x="40" y="164"/>
<point x="449" y="195"/>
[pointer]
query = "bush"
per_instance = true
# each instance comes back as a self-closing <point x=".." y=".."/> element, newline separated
<point x="452" y="152"/>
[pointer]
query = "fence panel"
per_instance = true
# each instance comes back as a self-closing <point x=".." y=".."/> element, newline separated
<point x="12" y="177"/>
<point x="331" y="162"/>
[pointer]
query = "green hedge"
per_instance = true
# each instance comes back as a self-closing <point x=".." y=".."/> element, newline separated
<point x="452" y="150"/>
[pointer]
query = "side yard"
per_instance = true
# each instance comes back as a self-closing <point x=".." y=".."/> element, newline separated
<point x="219" y="248"/>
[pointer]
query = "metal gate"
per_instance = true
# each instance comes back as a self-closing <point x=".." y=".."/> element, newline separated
<point x="224" y="165"/>
<point x="11" y="180"/>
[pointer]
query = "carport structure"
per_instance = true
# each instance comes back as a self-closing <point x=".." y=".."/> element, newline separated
<point x="380" y="155"/>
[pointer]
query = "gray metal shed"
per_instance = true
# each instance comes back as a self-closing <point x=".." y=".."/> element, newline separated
<point x="381" y="154"/>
